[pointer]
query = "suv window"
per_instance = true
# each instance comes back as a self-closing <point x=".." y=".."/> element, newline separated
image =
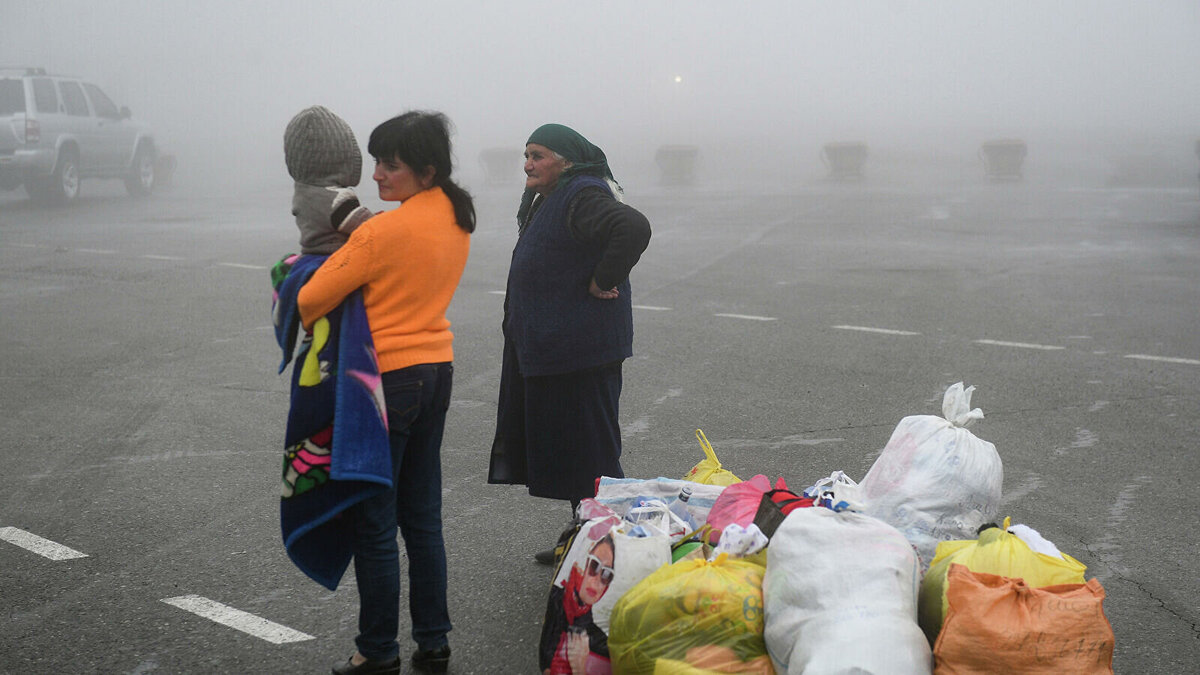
<point x="103" y="104"/>
<point x="73" y="97"/>
<point x="12" y="96"/>
<point x="45" y="95"/>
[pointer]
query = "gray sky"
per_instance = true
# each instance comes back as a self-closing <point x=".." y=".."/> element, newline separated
<point x="220" y="79"/>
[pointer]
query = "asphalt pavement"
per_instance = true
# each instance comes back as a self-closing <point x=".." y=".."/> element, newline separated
<point x="142" y="414"/>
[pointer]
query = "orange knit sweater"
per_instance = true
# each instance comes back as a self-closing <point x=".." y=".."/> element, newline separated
<point x="408" y="262"/>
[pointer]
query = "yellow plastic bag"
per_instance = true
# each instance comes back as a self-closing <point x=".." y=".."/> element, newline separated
<point x="691" y="610"/>
<point x="998" y="552"/>
<point x="709" y="470"/>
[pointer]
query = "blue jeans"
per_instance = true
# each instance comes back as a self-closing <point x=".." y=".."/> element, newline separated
<point x="417" y="399"/>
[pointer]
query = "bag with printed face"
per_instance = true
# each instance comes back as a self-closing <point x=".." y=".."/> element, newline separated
<point x="602" y="562"/>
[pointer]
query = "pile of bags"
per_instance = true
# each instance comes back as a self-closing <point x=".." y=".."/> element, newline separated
<point x="906" y="572"/>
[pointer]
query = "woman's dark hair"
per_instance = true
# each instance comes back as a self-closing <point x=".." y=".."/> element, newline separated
<point x="421" y="139"/>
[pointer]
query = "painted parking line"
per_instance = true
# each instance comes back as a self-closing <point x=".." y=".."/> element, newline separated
<point x="885" y="331"/>
<point x="237" y="619"/>
<point x="149" y="256"/>
<point x="1164" y="359"/>
<point x="496" y="292"/>
<point x="99" y="251"/>
<point x="242" y="266"/>
<point x="41" y="546"/>
<point x="1022" y="345"/>
<point x="749" y="317"/>
<point x="652" y="308"/>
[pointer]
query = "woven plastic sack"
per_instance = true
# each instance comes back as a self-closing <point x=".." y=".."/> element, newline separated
<point x="1000" y="625"/>
<point x="620" y="494"/>
<point x="686" y="606"/>
<point x="999" y="552"/>
<point x="840" y="594"/>
<point x="709" y="470"/>
<point x="935" y="480"/>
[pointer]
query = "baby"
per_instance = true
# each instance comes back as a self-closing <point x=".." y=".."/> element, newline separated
<point x="322" y="156"/>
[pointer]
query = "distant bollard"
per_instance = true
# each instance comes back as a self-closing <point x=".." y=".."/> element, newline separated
<point x="677" y="164"/>
<point x="501" y="166"/>
<point x="1198" y="153"/>
<point x="845" y="160"/>
<point x="1002" y="158"/>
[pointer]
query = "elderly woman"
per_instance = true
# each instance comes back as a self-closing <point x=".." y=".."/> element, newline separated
<point x="568" y="322"/>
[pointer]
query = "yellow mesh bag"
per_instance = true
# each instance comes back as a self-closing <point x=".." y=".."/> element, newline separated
<point x="998" y="552"/>
<point x="689" y="610"/>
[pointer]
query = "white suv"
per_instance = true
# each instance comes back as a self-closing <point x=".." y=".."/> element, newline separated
<point x="55" y="131"/>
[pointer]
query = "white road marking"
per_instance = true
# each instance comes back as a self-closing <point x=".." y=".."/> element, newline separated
<point x="241" y="266"/>
<point x="749" y="317"/>
<point x="652" y="308"/>
<point x="496" y="292"/>
<point x="40" y="546"/>
<point x="23" y="245"/>
<point x="1023" y="345"/>
<point x="885" y="331"/>
<point x="238" y="620"/>
<point x="162" y="257"/>
<point x="101" y="251"/>
<point x="1165" y="359"/>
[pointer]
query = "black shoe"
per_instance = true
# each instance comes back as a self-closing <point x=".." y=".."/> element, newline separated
<point x="544" y="557"/>
<point x="389" y="667"/>
<point x="432" y="660"/>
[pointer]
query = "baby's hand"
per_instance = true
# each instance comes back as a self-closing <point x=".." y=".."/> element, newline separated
<point x="347" y="213"/>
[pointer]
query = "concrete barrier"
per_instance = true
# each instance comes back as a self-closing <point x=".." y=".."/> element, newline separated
<point x="845" y="160"/>
<point x="677" y="164"/>
<point x="502" y="166"/>
<point x="1002" y="158"/>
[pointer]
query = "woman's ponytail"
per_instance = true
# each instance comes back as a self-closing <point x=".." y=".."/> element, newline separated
<point x="464" y="204"/>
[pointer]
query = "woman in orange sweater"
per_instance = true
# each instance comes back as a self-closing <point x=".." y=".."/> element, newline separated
<point x="408" y="262"/>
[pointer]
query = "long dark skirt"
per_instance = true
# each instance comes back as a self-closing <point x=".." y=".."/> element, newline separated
<point x="557" y="434"/>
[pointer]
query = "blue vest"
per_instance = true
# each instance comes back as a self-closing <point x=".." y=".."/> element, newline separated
<point x="554" y="324"/>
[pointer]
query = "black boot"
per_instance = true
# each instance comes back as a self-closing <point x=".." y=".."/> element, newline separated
<point x="432" y="660"/>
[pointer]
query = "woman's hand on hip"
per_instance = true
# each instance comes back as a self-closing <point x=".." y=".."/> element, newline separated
<point x="597" y="292"/>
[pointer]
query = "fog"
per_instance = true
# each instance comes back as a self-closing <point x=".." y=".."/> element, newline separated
<point x="758" y="86"/>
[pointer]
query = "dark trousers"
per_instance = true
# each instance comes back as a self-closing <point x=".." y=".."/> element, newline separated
<point x="417" y="399"/>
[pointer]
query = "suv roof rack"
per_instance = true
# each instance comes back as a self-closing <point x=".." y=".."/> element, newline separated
<point x="25" y="70"/>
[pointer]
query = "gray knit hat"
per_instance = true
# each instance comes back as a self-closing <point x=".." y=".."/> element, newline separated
<point x="320" y="149"/>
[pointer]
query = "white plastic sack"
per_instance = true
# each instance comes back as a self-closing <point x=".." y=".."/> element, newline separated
<point x="840" y="596"/>
<point x="935" y="480"/>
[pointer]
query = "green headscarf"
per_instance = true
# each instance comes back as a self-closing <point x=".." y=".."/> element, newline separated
<point x="585" y="158"/>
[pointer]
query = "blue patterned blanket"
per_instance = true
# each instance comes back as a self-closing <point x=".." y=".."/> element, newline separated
<point x="336" y="450"/>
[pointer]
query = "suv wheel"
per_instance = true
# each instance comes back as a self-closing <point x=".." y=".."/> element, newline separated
<point x="140" y="180"/>
<point x="64" y="185"/>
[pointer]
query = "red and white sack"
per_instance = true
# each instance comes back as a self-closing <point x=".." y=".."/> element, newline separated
<point x="935" y="480"/>
<point x="840" y="596"/>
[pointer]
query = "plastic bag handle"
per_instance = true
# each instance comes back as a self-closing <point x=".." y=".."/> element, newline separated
<point x="701" y="531"/>
<point x="708" y="448"/>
